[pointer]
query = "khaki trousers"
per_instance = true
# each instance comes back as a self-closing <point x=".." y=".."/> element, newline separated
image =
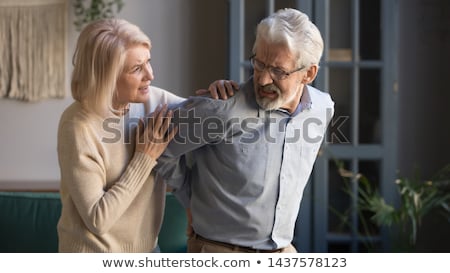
<point x="198" y="244"/>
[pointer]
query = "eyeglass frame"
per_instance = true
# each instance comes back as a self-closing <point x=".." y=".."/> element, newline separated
<point x="284" y="74"/>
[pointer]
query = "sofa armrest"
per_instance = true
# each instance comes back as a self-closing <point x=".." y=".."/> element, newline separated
<point x="28" y="221"/>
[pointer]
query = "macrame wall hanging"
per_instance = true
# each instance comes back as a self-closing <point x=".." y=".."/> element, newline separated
<point x="32" y="49"/>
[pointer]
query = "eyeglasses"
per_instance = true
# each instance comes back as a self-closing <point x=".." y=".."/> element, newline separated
<point x="275" y="72"/>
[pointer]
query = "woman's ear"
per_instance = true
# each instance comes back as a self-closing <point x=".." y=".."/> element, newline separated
<point x="311" y="74"/>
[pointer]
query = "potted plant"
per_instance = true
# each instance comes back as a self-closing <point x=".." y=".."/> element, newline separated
<point x="418" y="198"/>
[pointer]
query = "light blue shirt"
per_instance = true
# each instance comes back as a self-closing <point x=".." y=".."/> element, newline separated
<point x="249" y="166"/>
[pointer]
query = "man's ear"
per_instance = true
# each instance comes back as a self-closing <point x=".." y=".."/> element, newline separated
<point x="311" y="74"/>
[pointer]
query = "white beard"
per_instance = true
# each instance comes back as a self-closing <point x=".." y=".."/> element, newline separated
<point x="267" y="103"/>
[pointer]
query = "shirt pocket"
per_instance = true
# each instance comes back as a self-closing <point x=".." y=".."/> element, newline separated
<point x="247" y="170"/>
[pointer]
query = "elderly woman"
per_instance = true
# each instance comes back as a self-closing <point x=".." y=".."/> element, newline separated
<point x="109" y="140"/>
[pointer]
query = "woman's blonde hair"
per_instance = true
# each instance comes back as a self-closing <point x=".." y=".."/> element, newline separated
<point x="99" y="59"/>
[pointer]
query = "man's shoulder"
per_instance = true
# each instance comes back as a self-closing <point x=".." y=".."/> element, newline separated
<point x="240" y="104"/>
<point x="209" y="104"/>
<point x="320" y="98"/>
<point x="154" y="90"/>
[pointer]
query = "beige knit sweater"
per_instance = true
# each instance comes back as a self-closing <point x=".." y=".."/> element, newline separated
<point x="110" y="199"/>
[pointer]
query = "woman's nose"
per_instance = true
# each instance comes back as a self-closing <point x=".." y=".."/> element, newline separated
<point x="149" y="72"/>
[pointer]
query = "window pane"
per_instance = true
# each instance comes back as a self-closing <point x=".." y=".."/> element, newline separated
<point x="369" y="106"/>
<point x="370" y="30"/>
<point x="279" y="4"/>
<point x="255" y="11"/>
<point x="341" y="92"/>
<point x="340" y="31"/>
<point x="370" y="247"/>
<point x="339" y="200"/>
<point x="339" y="248"/>
<point x="370" y="169"/>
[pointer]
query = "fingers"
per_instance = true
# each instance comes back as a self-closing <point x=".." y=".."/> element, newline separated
<point x="234" y="84"/>
<point x="140" y="131"/>
<point x="158" y="118"/>
<point x="164" y="128"/>
<point x="155" y="132"/>
<point x="219" y="89"/>
<point x="229" y="88"/>
<point x="213" y="90"/>
<point x="151" y="120"/>
<point x="172" y="133"/>
<point x="201" y="92"/>
<point x="158" y="129"/>
<point x="222" y="86"/>
<point x="223" y="89"/>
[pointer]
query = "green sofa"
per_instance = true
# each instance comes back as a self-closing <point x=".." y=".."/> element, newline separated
<point x="28" y="223"/>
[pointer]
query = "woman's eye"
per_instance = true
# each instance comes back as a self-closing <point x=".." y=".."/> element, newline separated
<point x="136" y="69"/>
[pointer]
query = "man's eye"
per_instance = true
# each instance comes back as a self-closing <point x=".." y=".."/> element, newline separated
<point x="259" y="65"/>
<point x="278" y="72"/>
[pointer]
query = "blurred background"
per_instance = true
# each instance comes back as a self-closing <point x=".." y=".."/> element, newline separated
<point x="386" y="65"/>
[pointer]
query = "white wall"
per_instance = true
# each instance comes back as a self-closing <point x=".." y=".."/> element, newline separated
<point x="186" y="36"/>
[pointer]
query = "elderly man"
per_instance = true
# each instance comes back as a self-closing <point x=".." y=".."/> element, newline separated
<point x="252" y="154"/>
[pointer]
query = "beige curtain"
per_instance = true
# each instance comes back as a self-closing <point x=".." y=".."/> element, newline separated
<point x="32" y="49"/>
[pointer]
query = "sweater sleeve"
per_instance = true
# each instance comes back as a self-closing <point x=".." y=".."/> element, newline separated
<point x="84" y="175"/>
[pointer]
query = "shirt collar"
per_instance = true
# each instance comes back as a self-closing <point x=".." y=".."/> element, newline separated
<point x="305" y="103"/>
<point x="305" y="100"/>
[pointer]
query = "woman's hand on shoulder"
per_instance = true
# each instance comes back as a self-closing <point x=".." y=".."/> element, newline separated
<point x="153" y="137"/>
<point x="220" y="89"/>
